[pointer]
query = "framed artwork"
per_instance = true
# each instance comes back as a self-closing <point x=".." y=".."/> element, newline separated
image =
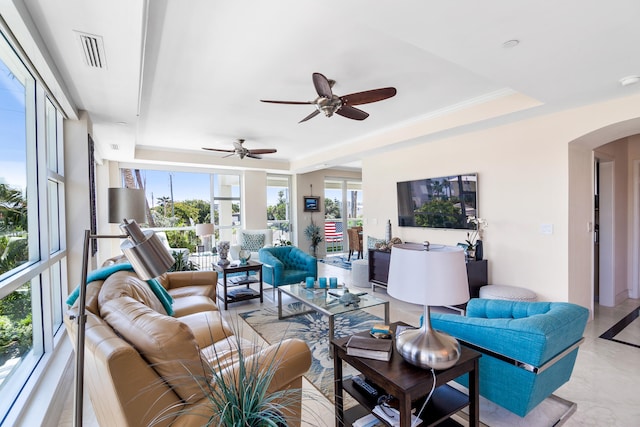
<point x="311" y="204"/>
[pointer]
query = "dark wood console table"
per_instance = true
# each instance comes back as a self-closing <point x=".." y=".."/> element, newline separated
<point x="477" y="272"/>
<point x="409" y="384"/>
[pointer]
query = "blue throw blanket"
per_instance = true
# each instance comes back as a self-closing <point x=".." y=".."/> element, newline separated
<point x="103" y="273"/>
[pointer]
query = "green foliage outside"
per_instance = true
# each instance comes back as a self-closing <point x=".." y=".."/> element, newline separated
<point x="16" y="330"/>
<point x="15" y="309"/>
<point x="332" y="209"/>
<point x="439" y="213"/>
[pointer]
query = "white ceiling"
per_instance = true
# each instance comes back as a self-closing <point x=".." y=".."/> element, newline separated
<point x="182" y="75"/>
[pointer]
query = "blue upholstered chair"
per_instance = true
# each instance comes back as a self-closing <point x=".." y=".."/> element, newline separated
<point x="284" y="265"/>
<point x="529" y="348"/>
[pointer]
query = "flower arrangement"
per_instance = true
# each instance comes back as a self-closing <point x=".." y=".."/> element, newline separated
<point x="312" y="232"/>
<point x="479" y="225"/>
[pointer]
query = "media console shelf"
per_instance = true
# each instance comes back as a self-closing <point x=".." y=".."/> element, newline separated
<point x="477" y="272"/>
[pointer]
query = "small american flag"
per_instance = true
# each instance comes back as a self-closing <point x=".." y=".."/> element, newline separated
<point x="333" y="231"/>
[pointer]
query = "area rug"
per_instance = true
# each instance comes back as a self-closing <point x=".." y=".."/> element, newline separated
<point x="313" y="328"/>
<point x="337" y="261"/>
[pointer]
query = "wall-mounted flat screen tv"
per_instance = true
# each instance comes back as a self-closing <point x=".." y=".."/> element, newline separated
<point x="443" y="202"/>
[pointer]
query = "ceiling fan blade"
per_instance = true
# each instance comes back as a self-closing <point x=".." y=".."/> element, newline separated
<point x="287" y="102"/>
<point x="310" y="116"/>
<point x="323" y="87"/>
<point x="229" y="155"/>
<point x="352" y="113"/>
<point x="368" y="96"/>
<point x="263" y="151"/>
<point x="219" y="150"/>
<point x="253" y="156"/>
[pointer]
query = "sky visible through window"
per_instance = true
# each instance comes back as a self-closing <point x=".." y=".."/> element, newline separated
<point x="12" y="130"/>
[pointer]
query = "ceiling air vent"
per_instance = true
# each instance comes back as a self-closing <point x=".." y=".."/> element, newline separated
<point x="92" y="50"/>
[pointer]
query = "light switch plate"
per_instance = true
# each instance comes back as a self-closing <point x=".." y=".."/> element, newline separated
<point x="546" y="228"/>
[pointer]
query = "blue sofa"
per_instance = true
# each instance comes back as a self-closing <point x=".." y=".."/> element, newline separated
<point x="529" y="348"/>
<point x="284" y="265"/>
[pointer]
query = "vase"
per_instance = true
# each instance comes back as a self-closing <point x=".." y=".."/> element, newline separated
<point x="471" y="253"/>
<point x="223" y="251"/>
<point x="478" y="248"/>
<point x="313" y="250"/>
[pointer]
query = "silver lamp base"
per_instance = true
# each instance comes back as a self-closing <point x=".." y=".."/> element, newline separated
<point x="428" y="348"/>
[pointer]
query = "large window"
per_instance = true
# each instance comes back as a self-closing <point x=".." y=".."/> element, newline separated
<point x="177" y="201"/>
<point x="31" y="231"/>
<point x="342" y="209"/>
<point x="279" y="207"/>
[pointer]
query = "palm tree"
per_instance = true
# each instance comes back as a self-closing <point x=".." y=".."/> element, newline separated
<point x="13" y="209"/>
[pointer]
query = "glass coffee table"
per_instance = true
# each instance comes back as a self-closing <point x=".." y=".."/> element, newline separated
<point x="327" y="302"/>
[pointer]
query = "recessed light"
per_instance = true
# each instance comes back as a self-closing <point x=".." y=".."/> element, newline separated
<point x="122" y="123"/>
<point x="115" y="147"/>
<point x="629" y="80"/>
<point x="511" y="43"/>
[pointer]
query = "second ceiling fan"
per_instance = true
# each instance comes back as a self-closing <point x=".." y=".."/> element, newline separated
<point x="242" y="152"/>
<point x="328" y="103"/>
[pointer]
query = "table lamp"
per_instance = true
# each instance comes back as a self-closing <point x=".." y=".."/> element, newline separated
<point x="203" y="230"/>
<point x="144" y="250"/>
<point x="429" y="275"/>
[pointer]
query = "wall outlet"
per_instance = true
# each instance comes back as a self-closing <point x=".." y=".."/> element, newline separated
<point x="546" y="228"/>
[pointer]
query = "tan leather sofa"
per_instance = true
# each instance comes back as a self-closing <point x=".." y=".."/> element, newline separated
<point x="143" y="367"/>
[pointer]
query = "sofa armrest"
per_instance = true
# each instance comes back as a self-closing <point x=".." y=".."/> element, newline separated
<point x="179" y="279"/>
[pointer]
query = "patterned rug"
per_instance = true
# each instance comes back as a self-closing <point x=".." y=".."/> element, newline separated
<point x="337" y="261"/>
<point x="313" y="328"/>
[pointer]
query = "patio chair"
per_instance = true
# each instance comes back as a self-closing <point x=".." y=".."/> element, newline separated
<point x="355" y="241"/>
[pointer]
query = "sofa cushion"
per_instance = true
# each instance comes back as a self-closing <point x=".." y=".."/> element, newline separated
<point x="252" y="242"/>
<point x="167" y="344"/>
<point x="127" y="283"/>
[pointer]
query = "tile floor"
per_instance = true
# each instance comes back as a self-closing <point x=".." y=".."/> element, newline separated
<point x="604" y="383"/>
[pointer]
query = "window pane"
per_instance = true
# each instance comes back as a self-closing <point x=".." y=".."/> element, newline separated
<point x="55" y="277"/>
<point x="13" y="171"/>
<point x="51" y="136"/>
<point x="16" y="335"/>
<point x="278" y="207"/>
<point x="54" y="214"/>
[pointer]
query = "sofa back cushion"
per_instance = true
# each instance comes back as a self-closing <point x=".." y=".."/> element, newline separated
<point x="167" y="344"/>
<point x="126" y="283"/>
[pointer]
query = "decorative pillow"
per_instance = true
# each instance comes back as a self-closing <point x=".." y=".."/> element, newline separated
<point x="165" y="342"/>
<point x="252" y="242"/>
<point x="372" y="241"/>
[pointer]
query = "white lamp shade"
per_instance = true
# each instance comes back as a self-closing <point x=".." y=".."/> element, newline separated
<point x="126" y="203"/>
<point x="437" y="277"/>
<point x="204" y="229"/>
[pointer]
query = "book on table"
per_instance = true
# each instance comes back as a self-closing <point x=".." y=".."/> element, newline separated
<point x="369" y="347"/>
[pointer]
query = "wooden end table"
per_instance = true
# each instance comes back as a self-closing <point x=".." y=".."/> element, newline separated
<point x="409" y="385"/>
<point x="227" y="270"/>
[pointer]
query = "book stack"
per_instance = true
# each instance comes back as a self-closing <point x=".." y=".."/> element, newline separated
<point x="370" y="348"/>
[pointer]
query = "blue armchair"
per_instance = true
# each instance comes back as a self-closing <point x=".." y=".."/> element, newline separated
<point x="529" y="348"/>
<point x="284" y="265"/>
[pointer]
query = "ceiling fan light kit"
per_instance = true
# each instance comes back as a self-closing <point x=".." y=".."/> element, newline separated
<point x="329" y="103"/>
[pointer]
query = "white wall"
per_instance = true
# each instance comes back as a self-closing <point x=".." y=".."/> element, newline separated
<point x="76" y="152"/>
<point x="524" y="180"/>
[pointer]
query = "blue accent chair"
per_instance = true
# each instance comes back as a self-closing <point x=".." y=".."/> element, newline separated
<point x="284" y="265"/>
<point x="529" y="348"/>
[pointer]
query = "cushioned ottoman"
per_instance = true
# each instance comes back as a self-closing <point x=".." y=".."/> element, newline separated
<point x="360" y="273"/>
<point x="509" y="293"/>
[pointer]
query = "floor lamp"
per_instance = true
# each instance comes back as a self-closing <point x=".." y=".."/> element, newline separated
<point x="429" y="275"/>
<point x="144" y="250"/>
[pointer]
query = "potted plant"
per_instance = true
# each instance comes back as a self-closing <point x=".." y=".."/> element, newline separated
<point x="474" y="237"/>
<point x="312" y="232"/>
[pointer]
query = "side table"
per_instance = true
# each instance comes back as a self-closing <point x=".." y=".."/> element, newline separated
<point x="407" y="383"/>
<point x="227" y="270"/>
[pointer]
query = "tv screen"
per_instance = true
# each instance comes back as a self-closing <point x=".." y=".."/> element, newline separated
<point x="443" y="202"/>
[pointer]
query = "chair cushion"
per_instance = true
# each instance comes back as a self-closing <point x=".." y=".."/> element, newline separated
<point x="165" y="342"/>
<point x="252" y="242"/>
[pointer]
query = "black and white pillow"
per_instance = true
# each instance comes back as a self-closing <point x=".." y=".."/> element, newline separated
<point x="252" y="242"/>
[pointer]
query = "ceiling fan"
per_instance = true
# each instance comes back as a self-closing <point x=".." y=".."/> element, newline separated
<point x="328" y="103"/>
<point x="242" y="152"/>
